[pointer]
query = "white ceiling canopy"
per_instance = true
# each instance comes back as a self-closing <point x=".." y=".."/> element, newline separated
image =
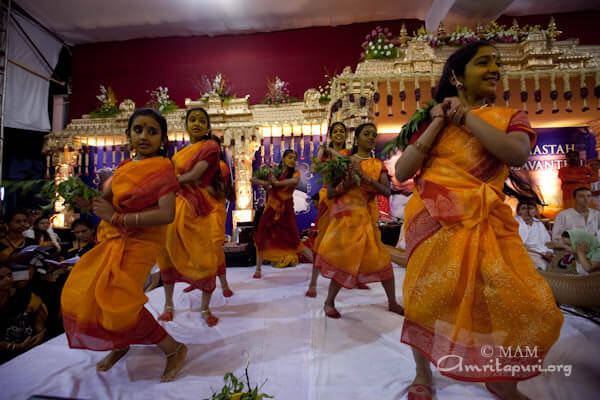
<point x="87" y="21"/>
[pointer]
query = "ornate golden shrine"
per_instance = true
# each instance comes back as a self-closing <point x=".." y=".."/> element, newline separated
<point x="558" y="81"/>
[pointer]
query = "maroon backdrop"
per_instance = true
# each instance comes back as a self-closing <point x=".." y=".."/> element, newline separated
<point x="300" y="56"/>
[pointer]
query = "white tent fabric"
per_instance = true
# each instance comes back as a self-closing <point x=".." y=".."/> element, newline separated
<point x="26" y="105"/>
<point x="87" y="21"/>
<point x="296" y="351"/>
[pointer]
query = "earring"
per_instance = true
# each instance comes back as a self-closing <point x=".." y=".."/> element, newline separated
<point x="457" y="83"/>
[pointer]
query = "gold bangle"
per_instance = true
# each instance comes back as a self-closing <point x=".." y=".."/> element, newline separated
<point x="137" y="219"/>
<point x="125" y="220"/>
<point x="421" y="147"/>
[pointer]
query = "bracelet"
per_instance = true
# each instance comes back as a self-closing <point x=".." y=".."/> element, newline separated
<point x="137" y="219"/>
<point x="421" y="147"/>
<point x="125" y="220"/>
<point x="118" y="219"/>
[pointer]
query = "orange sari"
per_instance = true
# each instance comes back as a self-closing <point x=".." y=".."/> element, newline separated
<point x="470" y="289"/>
<point x="277" y="238"/>
<point x="351" y="250"/>
<point x="191" y="254"/>
<point x="103" y="298"/>
<point x="323" y="214"/>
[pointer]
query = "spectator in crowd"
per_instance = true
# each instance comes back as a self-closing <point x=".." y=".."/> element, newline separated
<point x="14" y="242"/>
<point x="573" y="176"/>
<point x="42" y="235"/>
<point x="22" y="317"/>
<point x="84" y="231"/>
<point x="579" y="217"/>
<point x="594" y="165"/>
<point x="33" y="215"/>
<point x="584" y="247"/>
<point x="534" y="235"/>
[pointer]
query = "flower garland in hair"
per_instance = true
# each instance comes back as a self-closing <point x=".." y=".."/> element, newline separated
<point x="408" y="129"/>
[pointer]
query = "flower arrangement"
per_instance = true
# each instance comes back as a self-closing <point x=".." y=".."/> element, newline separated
<point x="278" y="92"/>
<point x="219" y="86"/>
<point x="325" y="90"/>
<point x="493" y="32"/>
<point x="160" y="101"/>
<point x="108" y="104"/>
<point x="462" y="36"/>
<point x="378" y="45"/>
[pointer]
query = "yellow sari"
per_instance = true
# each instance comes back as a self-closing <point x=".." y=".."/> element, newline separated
<point x="351" y="250"/>
<point x="471" y="289"/>
<point x="103" y="298"/>
<point x="191" y="253"/>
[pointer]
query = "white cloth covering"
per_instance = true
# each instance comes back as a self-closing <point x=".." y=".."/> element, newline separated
<point x="300" y="353"/>
<point x="571" y="219"/>
<point x="535" y="237"/>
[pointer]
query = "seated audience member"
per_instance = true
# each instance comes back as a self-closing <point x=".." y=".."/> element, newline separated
<point x="534" y="235"/>
<point x="32" y="216"/>
<point x="85" y="238"/>
<point x="42" y="236"/>
<point x="14" y="241"/>
<point x="22" y="318"/>
<point x="580" y="217"/>
<point x="573" y="176"/>
<point x="586" y="249"/>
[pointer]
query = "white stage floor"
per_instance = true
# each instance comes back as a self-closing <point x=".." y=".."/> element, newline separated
<point x="302" y="354"/>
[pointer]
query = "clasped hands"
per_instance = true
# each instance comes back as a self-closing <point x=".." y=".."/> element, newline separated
<point x="451" y="110"/>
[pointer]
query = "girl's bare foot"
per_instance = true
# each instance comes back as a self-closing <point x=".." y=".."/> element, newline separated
<point x="331" y="312"/>
<point x="174" y="363"/>
<point x="111" y="359"/>
<point x="312" y="291"/>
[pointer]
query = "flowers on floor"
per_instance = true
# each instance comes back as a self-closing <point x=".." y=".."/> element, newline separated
<point x="160" y="101"/>
<point x="218" y="86"/>
<point x="237" y="389"/>
<point x="108" y="104"/>
<point x="278" y="92"/>
<point x="378" y="45"/>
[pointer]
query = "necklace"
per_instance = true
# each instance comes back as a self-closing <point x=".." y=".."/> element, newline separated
<point x="362" y="158"/>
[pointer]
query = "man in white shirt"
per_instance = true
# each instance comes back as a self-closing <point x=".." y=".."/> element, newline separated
<point x="579" y="217"/>
<point x="534" y="235"/>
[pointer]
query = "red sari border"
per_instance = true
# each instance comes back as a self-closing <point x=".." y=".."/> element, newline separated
<point x="92" y="336"/>
<point x="347" y="280"/>
<point x="477" y="363"/>
<point x="421" y="227"/>
<point x="207" y="284"/>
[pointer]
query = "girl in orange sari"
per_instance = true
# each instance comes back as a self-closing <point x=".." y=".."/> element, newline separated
<point x="103" y="298"/>
<point x="191" y="254"/>
<point x="351" y="251"/>
<point x="277" y="238"/>
<point x="337" y="147"/>
<point x="470" y="290"/>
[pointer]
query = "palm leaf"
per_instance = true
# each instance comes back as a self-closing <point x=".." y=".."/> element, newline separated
<point x="401" y="141"/>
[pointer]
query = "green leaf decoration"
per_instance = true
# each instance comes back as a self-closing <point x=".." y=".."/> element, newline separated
<point x="333" y="171"/>
<point x="262" y="173"/>
<point x="408" y="129"/>
<point x="74" y="191"/>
